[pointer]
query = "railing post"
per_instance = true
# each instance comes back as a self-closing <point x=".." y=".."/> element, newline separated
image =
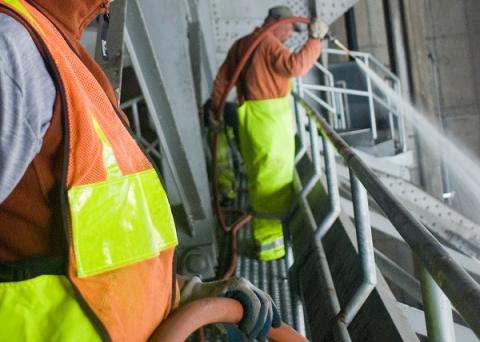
<point x="401" y="121"/>
<point x="300" y="124"/>
<point x="437" y="309"/>
<point x="371" y="106"/>
<point x="136" y="119"/>
<point x="332" y="186"/>
<point x="317" y="169"/>
<point x="365" y="251"/>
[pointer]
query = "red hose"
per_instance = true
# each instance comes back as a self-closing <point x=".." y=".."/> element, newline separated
<point x="219" y="211"/>
<point x="190" y="317"/>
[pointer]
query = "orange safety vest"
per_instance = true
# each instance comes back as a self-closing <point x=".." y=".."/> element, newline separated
<point x="118" y="221"/>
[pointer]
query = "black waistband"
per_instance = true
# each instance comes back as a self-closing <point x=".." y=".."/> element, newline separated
<point x="23" y="270"/>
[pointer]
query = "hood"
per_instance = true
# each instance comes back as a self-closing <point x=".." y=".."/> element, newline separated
<point x="71" y="16"/>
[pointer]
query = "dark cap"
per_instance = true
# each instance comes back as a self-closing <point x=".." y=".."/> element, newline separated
<point x="279" y="12"/>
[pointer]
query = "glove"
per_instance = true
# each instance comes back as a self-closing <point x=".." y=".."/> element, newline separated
<point x="317" y="29"/>
<point x="260" y="312"/>
<point x="231" y="333"/>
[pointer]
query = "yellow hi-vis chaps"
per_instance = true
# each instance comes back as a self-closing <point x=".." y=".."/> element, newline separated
<point x="225" y="171"/>
<point x="268" y="149"/>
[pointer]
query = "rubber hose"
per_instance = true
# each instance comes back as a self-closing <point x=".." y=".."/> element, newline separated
<point x="185" y="320"/>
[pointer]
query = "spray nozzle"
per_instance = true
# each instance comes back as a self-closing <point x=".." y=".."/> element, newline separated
<point x="331" y="38"/>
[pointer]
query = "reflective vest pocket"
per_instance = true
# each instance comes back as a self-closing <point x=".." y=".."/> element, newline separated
<point x="120" y="221"/>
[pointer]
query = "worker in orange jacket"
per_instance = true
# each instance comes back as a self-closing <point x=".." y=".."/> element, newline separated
<point x="265" y="121"/>
<point x="87" y="237"/>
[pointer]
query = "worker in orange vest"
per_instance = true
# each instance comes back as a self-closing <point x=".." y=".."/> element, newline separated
<point x="87" y="237"/>
<point x="265" y="121"/>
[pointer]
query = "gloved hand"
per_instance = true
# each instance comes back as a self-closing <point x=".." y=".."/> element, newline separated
<point x="260" y="312"/>
<point x="317" y="29"/>
<point x="209" y="118"/>
<point x="231" y="333"/>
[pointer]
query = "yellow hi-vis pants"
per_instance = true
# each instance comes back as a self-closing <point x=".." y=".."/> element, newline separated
<point x="268" y="149"/>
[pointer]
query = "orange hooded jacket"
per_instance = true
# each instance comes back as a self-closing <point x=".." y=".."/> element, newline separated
<point x="267" y="74"/>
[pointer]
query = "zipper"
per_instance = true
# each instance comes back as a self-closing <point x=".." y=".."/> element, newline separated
<point x="104" y="32"/>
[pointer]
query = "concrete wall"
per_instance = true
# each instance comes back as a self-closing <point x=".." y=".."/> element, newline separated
<point x="371" y="33"/>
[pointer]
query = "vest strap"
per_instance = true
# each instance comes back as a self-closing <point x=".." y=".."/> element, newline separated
<point x="24" y="270"/>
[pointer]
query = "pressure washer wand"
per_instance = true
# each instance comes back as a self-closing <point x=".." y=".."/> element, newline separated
<point x="335" y="41"/>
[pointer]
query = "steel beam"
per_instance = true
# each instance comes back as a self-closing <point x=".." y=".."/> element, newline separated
<point x="398" y="276"/>
<point x="383" y="225"/>
<point x="162" y="65"/>
<point x="332" y="9"/>
<point x="450" y="225"/>
<point x="156" y="39"/>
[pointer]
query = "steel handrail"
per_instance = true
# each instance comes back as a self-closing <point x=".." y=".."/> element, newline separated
<point x="362" y="93"/>
<point x="456" y="283"/>
<point x="365" y="55"/>
<point x="373" y="98"/>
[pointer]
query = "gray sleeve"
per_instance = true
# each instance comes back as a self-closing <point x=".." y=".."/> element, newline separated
<point x="27" y="95"/>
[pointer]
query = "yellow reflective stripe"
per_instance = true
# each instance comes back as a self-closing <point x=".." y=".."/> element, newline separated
<point x="272" y="254"/>
<point x="119" y="222"/>
<point x="43" y="308"/>
<point x="20" y="8"/>
<point x="268" y="236"/>
<point x="272" y="245"/>
<point x="109" y="160"/>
